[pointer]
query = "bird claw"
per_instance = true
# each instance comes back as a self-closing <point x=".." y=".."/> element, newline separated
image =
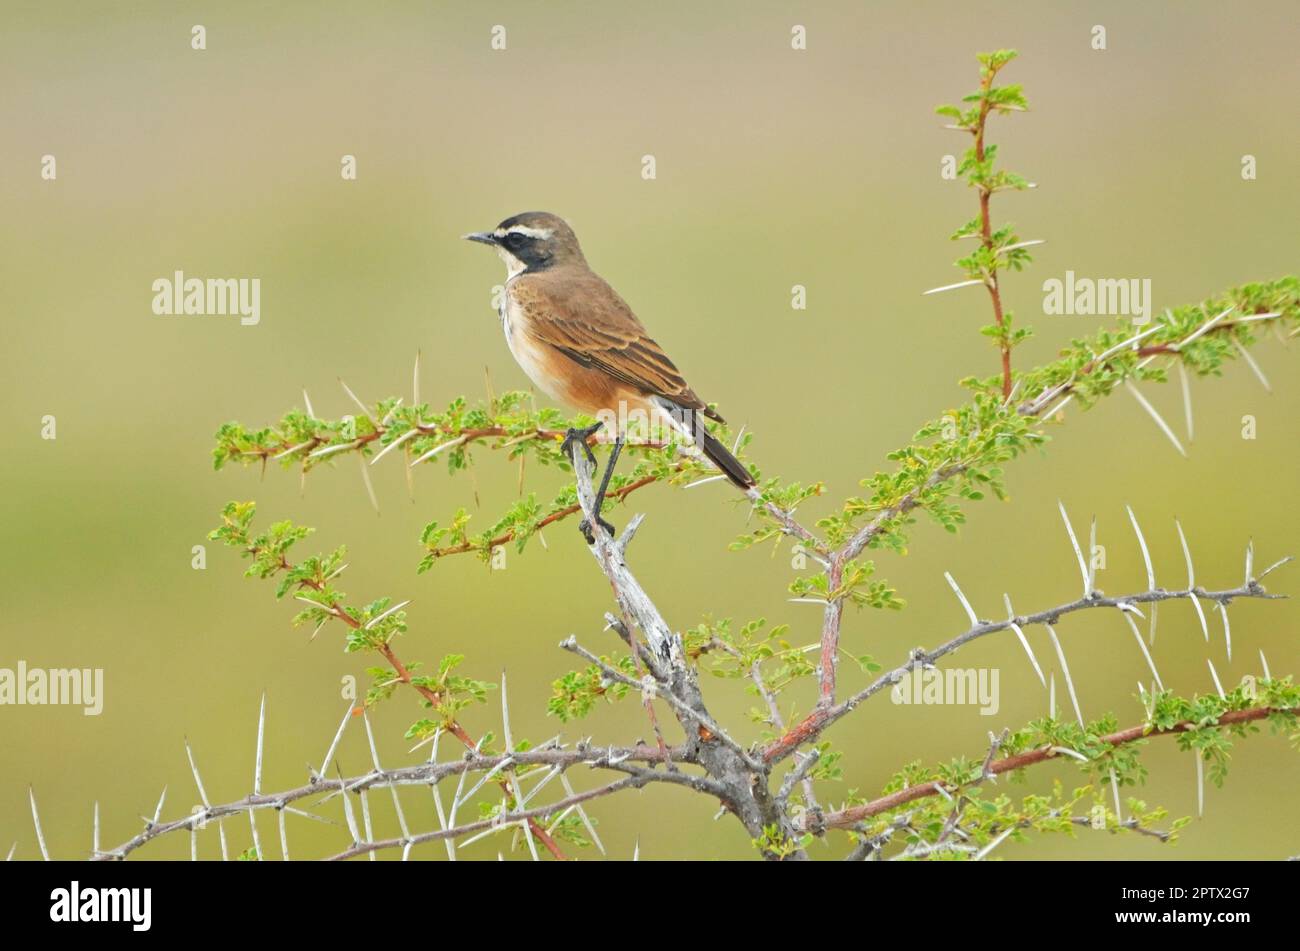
<point x="585" y="527"/>
<point x="573" y="438"/>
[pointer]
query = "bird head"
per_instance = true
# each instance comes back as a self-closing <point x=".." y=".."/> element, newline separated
<point x="532" y="241"/>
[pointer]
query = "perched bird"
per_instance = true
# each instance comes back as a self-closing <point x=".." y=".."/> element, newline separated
<point x="582" y="345"/>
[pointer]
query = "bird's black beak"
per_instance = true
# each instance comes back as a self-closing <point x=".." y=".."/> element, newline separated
<point x="482" y="237"/>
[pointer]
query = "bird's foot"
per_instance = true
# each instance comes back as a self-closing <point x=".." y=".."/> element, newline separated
<point x="585" y="527"/>
<point x="574" y="438"/>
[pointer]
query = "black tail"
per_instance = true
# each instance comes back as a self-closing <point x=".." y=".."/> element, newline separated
<point x="724" y="460"/>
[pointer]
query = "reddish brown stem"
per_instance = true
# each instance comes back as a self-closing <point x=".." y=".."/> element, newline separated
<point x="986" y="234"/>
<point x="555" y="516"/>
<point x="855" y="814"/>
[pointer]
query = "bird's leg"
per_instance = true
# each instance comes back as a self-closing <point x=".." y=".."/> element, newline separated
<point x="575" y="439"/>
<point x="600" y="494"/>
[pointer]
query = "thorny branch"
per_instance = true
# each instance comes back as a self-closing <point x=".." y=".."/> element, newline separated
<point x="822" y="717"/>
<point x="556" y="757"/>
<point x="846" y="818"/>
<point x="742" y="778"/>
<point x="403" y="676"/>
<point x="868" y="533"/>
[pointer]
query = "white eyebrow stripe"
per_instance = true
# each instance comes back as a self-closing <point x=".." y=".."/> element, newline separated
<point x="542" y="233"/>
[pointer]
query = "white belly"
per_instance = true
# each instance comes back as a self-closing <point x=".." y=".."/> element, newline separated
<point x="512" y="320"/>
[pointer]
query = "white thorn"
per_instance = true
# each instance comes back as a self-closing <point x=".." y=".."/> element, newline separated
<point x="291" y="450"/>
<point x="541" y="784"/>
<point x="1024" y="641"/>
<point x="1200" y="614"/>
<point x="1066" y="751"/>
<point x="370" y="735"/>
<point x="1058" y="407"/>
<point x="379" y="617"/>
<point x="1145" y="653"/>
<point x="36" y="821"/>
<point x="705" y="480"/>
<point x="979" y="856"/>
<point x="409" y="434"/>
<point x="1142" y="542"/>
<point x="1254" y="365"/>
<point x="1187" y="399"/>
<point x="582" y="814"/>
<point x="362" y="406"/>
<point x="261" y="733"/>
<point x="1164" y="427"/>
<point x="365" y="477"/>
<point x="257" y="841"/>
<point x="1126" y="344"/>
<point x="505" y="715"/>
<point x="1191" y="581"/>
<point x="329" y="754"/>
<point x="1215" y="674"/>
<point x="951" y="287"/>
<point x="306" y="401"/>
<point x="528" y="833"/>
<point x="1074" y="542"/>
<point x="1264" y="663"/>
<point x="347" y="812"/>
<point x="1022" y="244"/>
<point x="1273" y="567"/>
<point x="1187" y="554"/>
<point x="1227" y="629"/>
<point x="437" y="449"/>
<point x="970" y="612"/>
<point x="284" y="838"/>
<point x="1203" y="329"/>
<point x="203" y="795"/>
<point x="330" y="450"/>
<point x="1065" y="670"/>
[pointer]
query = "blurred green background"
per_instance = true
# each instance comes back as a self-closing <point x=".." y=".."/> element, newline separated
<point x="775" y="168"/>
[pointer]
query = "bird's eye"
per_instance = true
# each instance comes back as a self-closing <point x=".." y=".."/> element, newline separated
<point x="514" y="240"/>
